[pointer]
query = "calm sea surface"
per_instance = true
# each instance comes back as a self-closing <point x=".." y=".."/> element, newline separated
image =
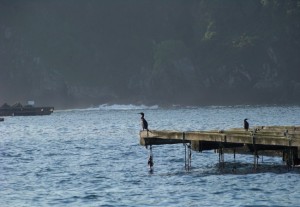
<point x="92" y="157"/>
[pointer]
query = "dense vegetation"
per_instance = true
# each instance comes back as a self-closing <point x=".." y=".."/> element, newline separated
<point x="73" y="52"/>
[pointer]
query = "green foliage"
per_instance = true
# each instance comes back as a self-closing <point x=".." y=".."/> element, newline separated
<point x="168" y="51"/>
<point x="244" y="41"/>
<point x="210" y="32"/>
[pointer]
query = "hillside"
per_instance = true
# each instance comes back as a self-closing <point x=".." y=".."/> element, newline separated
<point x="74" y="53"/>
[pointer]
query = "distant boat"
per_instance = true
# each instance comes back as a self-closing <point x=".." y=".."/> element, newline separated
<point x="1" y="119"/>
<point x="27" y="110"/>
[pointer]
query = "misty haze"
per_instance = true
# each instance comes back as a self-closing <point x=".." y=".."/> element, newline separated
<point x="71" y="53"/>
<point x="156" y="103"/>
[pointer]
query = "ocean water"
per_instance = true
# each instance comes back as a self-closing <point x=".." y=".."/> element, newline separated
<point x="92" y="157"/>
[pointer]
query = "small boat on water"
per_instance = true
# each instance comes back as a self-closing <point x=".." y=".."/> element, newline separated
<point x="28" y="110"/>
<point x="1" y="119"/>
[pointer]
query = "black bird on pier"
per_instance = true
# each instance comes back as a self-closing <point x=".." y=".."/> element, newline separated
<point x="144" y="122"/>
<point x="246" y="124"/>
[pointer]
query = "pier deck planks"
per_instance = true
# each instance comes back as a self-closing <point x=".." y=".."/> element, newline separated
<point x="285" y="136"/>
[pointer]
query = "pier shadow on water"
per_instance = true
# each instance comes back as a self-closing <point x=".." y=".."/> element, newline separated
<point x="239" y="168"/>
<point x="228" y="168"/>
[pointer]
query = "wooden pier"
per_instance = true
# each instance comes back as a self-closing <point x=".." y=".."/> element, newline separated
<point x="261" y="140"/>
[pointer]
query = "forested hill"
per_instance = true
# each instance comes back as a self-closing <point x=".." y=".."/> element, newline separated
<point x="70" y="53"/>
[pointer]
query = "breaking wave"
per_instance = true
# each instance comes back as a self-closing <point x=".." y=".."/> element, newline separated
<point x="112" y="107"/>
<point x="125" y="107"/>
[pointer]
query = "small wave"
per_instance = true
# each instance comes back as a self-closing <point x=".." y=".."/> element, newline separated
<point x="125" y="107"/>
<point x="90" y="197"/>
<point x="116" y="107"/>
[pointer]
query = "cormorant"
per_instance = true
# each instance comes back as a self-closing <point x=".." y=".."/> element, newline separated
<point x="246" y="124"/>
<point x="144" y="122"/>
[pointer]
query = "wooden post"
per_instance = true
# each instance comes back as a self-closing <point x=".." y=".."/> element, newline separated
<point x="187" y="156"/>
<point x="221" y="158"/>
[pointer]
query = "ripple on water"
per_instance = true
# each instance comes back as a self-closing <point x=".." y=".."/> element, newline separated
<point x="93" y="158"/>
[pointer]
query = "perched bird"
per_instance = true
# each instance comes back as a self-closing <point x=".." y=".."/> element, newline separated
<point x="144" y="122"/>
<point x="246" y="124"/>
